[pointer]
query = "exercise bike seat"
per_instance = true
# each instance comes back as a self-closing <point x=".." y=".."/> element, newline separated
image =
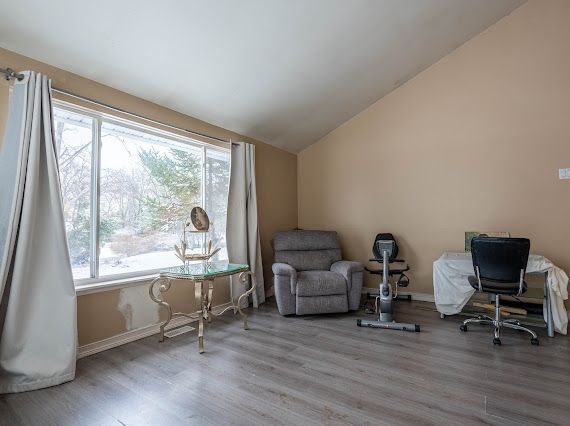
<point x="397" y="266"/>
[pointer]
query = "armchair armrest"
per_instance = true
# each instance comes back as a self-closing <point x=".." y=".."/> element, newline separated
<point x="283" y="269"/>
<point x="352" y="273"/>
<point x="347" y="268"/>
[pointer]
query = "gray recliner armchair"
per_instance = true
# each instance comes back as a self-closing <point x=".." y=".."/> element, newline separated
<point x="310" y="277"/>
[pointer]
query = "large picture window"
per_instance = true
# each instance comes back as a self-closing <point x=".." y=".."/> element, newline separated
<point x="127" y="190"/>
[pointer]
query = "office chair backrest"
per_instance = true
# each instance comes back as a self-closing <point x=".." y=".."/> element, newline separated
<point x="384" y="237"/>
<point x="500" y="259"/>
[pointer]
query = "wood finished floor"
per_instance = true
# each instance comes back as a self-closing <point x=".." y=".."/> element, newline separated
<point x="313" y="370"/>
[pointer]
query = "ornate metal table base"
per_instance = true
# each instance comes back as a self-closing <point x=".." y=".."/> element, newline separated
<point x="203" y="293"/>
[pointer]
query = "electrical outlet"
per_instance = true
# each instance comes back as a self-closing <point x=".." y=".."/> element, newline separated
<point x="564" y="173"/>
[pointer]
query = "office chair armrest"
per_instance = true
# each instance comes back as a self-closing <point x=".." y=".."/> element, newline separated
<point x="478" y="279"/>
<point x="283" y="269"/>
<point x="521" y="283"/>
<point x="347" y="268"/>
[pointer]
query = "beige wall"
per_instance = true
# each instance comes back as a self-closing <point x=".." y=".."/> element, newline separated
<point x="472" y="143"/>
<point x="106" y="314"/>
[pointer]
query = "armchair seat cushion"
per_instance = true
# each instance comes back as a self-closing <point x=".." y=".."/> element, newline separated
<point x="320" y="283"/>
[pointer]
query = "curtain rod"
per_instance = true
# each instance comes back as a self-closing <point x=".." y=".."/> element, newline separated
<point x="192" y="132"/>
<point x="11" y="74"/>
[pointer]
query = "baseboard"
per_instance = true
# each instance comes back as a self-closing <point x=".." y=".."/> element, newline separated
<point x="132" y="335"/>
<point x="141" y="333"/>
<point x="422" y="297"/>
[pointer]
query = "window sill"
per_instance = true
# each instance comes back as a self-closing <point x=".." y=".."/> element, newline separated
<point x="102" y="286"/>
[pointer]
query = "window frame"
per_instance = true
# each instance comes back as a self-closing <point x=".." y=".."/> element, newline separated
<point x="95" y="281"/>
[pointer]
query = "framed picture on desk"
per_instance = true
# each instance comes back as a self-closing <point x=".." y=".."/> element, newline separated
<point x="469" y="235"/>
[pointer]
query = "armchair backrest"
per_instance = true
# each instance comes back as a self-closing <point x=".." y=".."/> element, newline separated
<point x="307" y="250"/>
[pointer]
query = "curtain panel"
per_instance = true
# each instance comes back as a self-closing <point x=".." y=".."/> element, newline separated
<point x="242" y="230"/>
<point x="38" y="329"/>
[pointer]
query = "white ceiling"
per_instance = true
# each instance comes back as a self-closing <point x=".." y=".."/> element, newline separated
<point x="286" y="72"/>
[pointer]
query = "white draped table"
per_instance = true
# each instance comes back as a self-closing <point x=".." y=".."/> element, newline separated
<point x="452" y="290"/>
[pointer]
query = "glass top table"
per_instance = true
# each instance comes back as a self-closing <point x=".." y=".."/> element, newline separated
<point x="203" y="270"/>
<point x="202" y="275"/>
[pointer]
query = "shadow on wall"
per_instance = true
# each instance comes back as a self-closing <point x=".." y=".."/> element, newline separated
<point x="137" y="307"/>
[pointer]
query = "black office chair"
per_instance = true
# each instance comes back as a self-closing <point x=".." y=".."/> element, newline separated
<point x="500" y="266"/>
<point x="397" y="266"/>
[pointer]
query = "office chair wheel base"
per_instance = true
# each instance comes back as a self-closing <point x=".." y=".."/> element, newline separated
<point x="463" y="327"/>
<point x="496" y="341"/>
<point x="534" y="342"/>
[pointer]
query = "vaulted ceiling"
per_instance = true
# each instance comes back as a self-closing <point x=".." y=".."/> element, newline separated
<point x="285" y="72"/>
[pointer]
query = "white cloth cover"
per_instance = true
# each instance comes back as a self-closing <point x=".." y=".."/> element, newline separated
<point x="242" y="233"/>
<point x="38" y="330"/>
<point x="452" y="290"/>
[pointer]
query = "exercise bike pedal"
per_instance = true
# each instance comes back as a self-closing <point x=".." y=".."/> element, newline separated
<point x="407" y="297"/>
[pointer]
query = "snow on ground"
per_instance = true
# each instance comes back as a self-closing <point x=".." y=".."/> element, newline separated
<point x="139" y="263"/>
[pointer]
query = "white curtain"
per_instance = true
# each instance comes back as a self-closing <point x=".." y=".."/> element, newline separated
<point x="242" y="232"/>
<point x="38" y="330"/>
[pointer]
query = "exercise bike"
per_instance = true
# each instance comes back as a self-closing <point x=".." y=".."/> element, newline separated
<point x="385" y="251"/>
